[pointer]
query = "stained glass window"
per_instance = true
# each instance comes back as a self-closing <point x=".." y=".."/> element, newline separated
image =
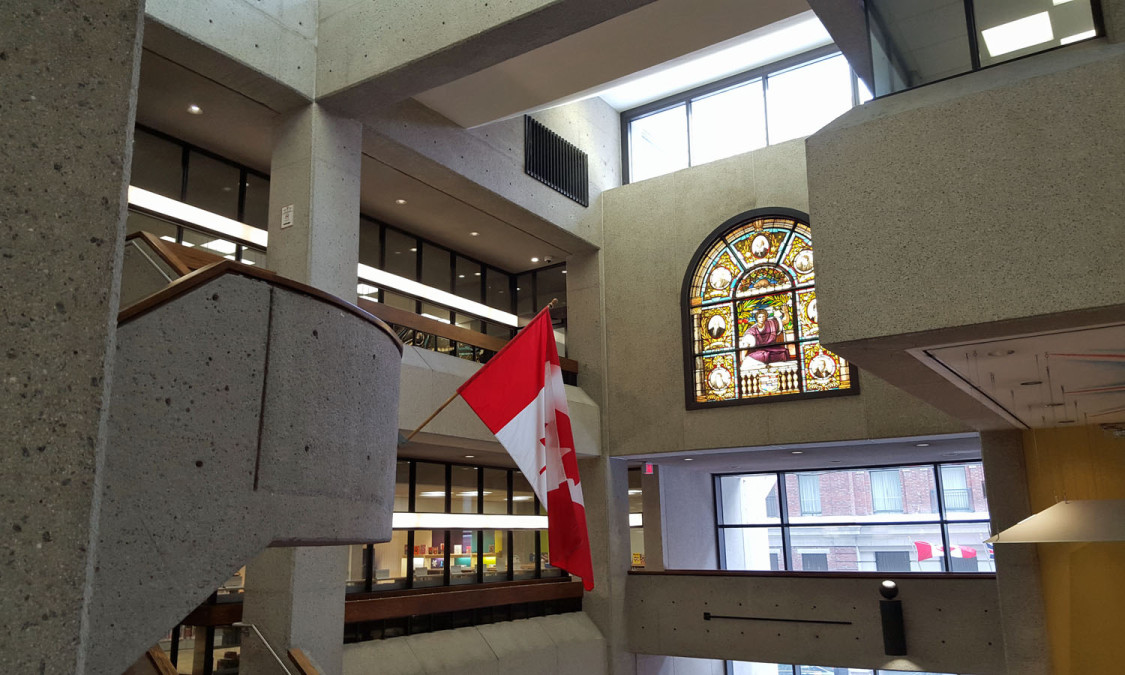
<point x="751" y="317"/>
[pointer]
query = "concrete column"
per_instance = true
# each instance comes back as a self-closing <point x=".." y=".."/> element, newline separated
<point x="687" y="509"/>
<point x="653" y="521"/>
<point x="67" y="100"/>
<point x="295" y="596"/>
<point x="1023" y="620"/>
<point x="1113" y="16"/>
<point x="315" y="170"/>
<point x="605" y="487"/>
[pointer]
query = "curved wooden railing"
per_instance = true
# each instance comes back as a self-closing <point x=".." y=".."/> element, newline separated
<point x="453" y="333"/>
<point x="203" y="275"/>
<point x="186" y="261"/>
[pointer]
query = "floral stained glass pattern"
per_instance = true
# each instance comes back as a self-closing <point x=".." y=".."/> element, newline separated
<point x="753" y="317"/>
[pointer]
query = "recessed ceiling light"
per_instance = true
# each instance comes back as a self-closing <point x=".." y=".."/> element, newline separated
<point x="469" y="456"/>
<point x="688" y="459"/>
<point x="1031" y="383"/>
<point x="535" y="260"/>
<point x="796" y="452"/>
<point x="921" y="445"/>
<point x="474" y="234"/>
<point x="634" y="491"/>
<point x="1018" y="34"/>
<point x="476" y="274"/>
<point x="564" y="271"/>
<point x="1002" y="352"/>
<point x="194" y="110"/>
<point x="413" y="250"/>
<point x="400" y="201"/>
<point x="460" y="276"/>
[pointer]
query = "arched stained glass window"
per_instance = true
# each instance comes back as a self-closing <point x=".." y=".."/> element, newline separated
<point x="750" y="329"/>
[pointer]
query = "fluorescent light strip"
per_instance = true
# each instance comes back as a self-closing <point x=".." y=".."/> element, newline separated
<point x="466" y="521"/>
<point x="196" y="216"/>
<point x="1078" y="37"/>
<point x="232" y="228"/>
<point x="1018" y="34"/>
<point x="636" y="520"/>
<point x="393" y="281"/>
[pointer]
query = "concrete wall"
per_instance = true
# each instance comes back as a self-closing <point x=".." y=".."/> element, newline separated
<point x="950" y="623"/>
<point x="362" y="39"/>
<point x="245" y="415"/>
<point x="991" y="196"/>
<point x="678" y="665"/>
<point x="68" y="100"/>
<point x="651" y="230"/>
<point x="563" y="644"/>
<point x="484" y="167"/>
<point x="276" y="38"/>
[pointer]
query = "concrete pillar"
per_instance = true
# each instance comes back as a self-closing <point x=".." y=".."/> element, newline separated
<point x="605" y="488"/>
<point x="1022" y="615"/>
<point x="315" y="171"/>
<point x="295" y="596"/>
<point x="687" y="512"/>
<point x="1113" y="16"/>
<point x="652" y="521"/>
<point x="67" y="100"/>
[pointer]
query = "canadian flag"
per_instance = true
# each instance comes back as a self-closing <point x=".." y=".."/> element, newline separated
<point x="519" y="396"/>
<point x="927" y="550"/>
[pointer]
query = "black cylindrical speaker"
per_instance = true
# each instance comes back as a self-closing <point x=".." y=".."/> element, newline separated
<point x="894" y="631"/>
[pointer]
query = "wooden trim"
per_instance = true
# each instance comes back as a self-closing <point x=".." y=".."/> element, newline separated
<point x="386" y="604"/>
<point x="160" y="661"/>
<point x="304" y="665"/>
<point x="401" y="317"/>
<point x="455" y="599"/>
<point x="160" y="246"/>
<point x="202" y="276"/>
<point x="222" y="614"/>
<point x="904" y="576"/>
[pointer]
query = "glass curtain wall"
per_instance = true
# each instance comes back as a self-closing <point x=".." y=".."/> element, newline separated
<point x="918" y="518"/>
<point x="421" y="558"/>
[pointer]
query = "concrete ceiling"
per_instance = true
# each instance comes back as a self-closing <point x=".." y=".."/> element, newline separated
<point x="809" y="456"/>
<point x="240" y="128"/>
<point x="1066" y="377"/>
<point x="625" y="45"/>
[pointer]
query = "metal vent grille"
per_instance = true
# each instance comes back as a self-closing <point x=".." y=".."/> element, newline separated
<point x="554" y="162"/>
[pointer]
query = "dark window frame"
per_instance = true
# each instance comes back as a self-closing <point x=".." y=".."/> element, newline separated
<point x="940" y="517"/>
<point x="730" y="82"/>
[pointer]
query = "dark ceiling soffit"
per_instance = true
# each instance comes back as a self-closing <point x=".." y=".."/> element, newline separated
<point x="500" y="43"/>
<point x="180" y="49"/>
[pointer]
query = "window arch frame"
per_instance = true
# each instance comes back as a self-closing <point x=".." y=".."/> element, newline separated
<point x="687" y="325"/>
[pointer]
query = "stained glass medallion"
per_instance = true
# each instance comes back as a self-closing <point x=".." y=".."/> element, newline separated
<point x="761" y="340"/>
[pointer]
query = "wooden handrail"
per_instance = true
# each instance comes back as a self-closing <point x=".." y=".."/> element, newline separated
<point x="204" y="275"/>
<point x="301" y="660"/>
<point x="183" y="259"/>
<point x="386" y="604"/>
<point x="456" y="599"/>
<point x="406" y="319"/>
<point x="793" y="574"/>
<point x="160" y="661"/>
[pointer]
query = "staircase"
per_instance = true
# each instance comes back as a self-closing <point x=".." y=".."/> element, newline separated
<point x="247" y="411"/>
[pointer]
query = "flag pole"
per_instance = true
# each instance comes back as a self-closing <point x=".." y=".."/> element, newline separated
<point x="550" y="305"/>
